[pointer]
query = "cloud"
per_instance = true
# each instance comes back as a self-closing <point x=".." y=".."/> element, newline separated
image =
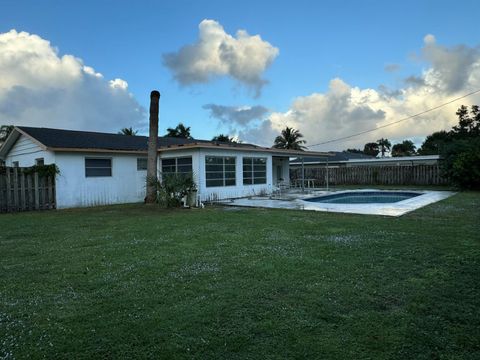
<point x="392" y="68"/>
<point x="453" y="69"/>
<point x="38" y="87"/>
<point x="243" y="57"/>
<point x="345" y="109"/>
<point x="414" y="81"/>
<point x="236" y="115"/>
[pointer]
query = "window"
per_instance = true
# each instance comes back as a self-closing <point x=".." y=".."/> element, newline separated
<point x="177" y="165"/>
<point x="254" y="171"/>
<point x="141" y="164"/>
<point x="39" y="161"/>
<point x="220" y="171"/>
<point x="96" y="167"/>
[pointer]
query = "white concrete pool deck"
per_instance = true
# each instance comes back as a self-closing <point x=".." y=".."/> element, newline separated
<point x="297" y="202"/>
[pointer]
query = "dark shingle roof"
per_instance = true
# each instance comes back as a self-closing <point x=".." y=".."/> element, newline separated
<point x="70" y="139"/>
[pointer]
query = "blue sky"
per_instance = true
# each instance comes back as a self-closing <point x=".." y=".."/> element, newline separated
<point x="353" y="43"/>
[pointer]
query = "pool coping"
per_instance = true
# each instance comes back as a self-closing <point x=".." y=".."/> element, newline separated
<point x="386" y="209"/>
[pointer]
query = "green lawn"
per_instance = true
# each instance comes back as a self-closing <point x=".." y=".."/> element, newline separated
<point x="138" y="281"/>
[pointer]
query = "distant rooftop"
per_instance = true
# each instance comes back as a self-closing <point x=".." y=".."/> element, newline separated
<point x="337" y="156"/>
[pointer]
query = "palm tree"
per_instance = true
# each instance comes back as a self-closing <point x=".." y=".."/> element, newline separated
<point x="128" y="131"/>
<point x="384" y="145"/>
<point x="289" y="139"/>
<point x="180" y="131"/>
<point x="224" y="138"/>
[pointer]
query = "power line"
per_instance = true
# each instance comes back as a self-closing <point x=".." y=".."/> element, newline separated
<point x="398" y="121"/>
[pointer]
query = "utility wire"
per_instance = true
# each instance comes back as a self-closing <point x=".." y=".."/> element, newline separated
<point x="398" y="121"/>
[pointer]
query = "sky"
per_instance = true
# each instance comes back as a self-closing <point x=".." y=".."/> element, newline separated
<point x="327" y="68"/>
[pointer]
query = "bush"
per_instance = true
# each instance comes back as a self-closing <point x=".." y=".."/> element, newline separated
<point x="461" y="163"/>
<point x="173" y="188"/>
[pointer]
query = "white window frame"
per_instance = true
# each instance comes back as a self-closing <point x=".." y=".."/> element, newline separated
<point x="97" y="167"/>
<point x="223" y="171"/>
<point x="177" y="165"/>
<point x="252" y="176"/>
<point x="138" y="163"/>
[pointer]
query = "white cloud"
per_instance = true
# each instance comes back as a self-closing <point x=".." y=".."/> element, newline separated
<point x="345" y="109"/>
<point x="118" y="84"/>
<point x="38" y="87"/>
<point x="216" y="53"/>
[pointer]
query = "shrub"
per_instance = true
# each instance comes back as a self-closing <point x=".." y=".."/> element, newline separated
<point x="173" y="187"/>
<point x="461" y="163"/>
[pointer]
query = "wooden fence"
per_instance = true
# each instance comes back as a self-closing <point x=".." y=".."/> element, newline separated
<point x="372" y="175"/>
<point x="22" y="190"/>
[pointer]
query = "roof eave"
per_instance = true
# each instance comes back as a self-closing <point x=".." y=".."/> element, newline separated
<point x="42" y="145"/>
<point x="283" y="152"/>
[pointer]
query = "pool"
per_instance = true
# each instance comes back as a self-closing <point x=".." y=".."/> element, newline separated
<point x="399" y="202"/>
<point x="365" y="197"/>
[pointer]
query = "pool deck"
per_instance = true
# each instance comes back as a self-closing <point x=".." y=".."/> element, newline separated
<point x="294" y="200"/>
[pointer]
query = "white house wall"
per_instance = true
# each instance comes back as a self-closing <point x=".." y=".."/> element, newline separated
<point x="74" y="189"/>
<point x="239" y="190"/>
<point x="227" y="192"/>
<point x="127" y="185"/>
<point x="25" y="151"/>
<point x="285" y="170"/>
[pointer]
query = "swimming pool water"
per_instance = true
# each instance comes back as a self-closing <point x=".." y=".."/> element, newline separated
<point x="365" y="197"/>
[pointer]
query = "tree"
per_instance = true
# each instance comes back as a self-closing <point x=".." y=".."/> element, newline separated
<point x="353" y="151"/>
<point x="5" y="130"/>
<point x="224" y="138"/>
<point x="128" y="131"/>
<point x="289" y="139"/>
<point x="152" y="154"/>
<point x="435" y="143"/>
<point x="468" y="124"/>
<point x="371" y="149"/>
<point x="461" y="153"/>
<point x="461" y="162"/>
<point x="405" y="148"/>
<point x="384" y="145"/>
<point x="180" y="131"/>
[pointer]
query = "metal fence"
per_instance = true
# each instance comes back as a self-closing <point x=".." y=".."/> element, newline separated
<point x="23" y="190"/>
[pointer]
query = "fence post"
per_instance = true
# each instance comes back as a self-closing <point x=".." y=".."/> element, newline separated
<point x="15" y="189"/>
<point x="9" y="194"/>
<point x="22" y="191"/>
<point x="37" y="191"/>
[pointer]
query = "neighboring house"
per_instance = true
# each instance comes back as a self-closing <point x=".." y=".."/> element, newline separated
<point x="336" y="158"/>
<point x="101" y="168"/>
<point x="341" y="159"/>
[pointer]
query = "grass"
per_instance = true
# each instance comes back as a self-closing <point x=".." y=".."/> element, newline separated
<point x="140" y="282"/>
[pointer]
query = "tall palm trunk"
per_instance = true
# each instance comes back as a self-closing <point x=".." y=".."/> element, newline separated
<point x="152" y="149"/>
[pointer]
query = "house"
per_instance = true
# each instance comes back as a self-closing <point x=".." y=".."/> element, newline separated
<point x="346" y="159"/>
<point x="102" y="168"/>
